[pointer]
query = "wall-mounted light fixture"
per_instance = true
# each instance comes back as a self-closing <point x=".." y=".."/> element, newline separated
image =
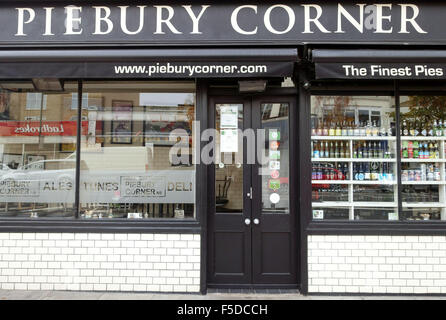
<point x="48" y="84"/>
<point x="252" y="86"/>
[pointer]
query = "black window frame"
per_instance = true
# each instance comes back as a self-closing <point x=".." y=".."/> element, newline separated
<point x="120" y="225"/>
<point x="396" y="89"/>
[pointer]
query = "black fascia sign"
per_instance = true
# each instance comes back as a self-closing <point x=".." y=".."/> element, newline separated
<point x="196" y="23"/>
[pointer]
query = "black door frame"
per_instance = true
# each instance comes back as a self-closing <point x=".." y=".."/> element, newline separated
<point x="294" y="185"/>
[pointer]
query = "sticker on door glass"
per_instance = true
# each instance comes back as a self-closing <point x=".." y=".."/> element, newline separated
<point x="229" y="117"/>
<point x="318" y="214"/>
<point x="274" y="155"/>
<point x="274" y="198"/>
<point x="274" y="135"/>
<point x="274" y="184"/>
<point x="274" y="174"/>
<point x="274" y="145"/>
<point x="274" y="165"/>
<point x="228" y="140"/>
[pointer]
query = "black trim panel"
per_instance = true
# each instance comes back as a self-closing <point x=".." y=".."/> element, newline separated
<point x="376" y="228"/>
<point x="100" y="226"/>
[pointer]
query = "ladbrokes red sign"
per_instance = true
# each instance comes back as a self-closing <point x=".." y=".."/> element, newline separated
<point x="35" y="128"/>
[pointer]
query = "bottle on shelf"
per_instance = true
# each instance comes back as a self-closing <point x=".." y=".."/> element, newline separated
<point x="342" y="151"/>
<point x="338" y="129"/>
<point x="356" y="130"/>
<point x="412" y="128"/>
<point x="346" y="171"/>
<point x="416" y="128"/>
<point x="326" y="150"/>
<point x="375" y="129"/>
<point x="416" y="153"/>
<point x="368" y="129"/>
<point x="382" y="129"/>
<point x="322" y="150"/>
<point x="319" y="127"/>
<point x="350" y="130"/>
<point x="332" y="129"/>
<point x="430" y="131"/>
<point x="316" y="152"/>
<point x="344" y="129"/>
<point x="362" y="129"/>
<point x="404" y="129"/>
<point x="325" y="128"/>
<point x="439" y="129"/>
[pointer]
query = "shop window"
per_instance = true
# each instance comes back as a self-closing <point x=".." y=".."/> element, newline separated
<point x="354" y="171"/>
<point x="34" y="101"/>
<point x="423" y="134"/>
<point x="36" y="178"/>
<point x="136" y="152"/>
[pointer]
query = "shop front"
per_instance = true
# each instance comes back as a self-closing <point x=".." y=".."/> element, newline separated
<point x="180" y="147"/>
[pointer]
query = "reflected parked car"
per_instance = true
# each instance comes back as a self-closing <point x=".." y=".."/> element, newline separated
<point x="4" y="169"/>
<point x="58" y="174"/>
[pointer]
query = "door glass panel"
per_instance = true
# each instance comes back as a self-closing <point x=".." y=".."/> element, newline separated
<point x="274" y="156"/>
<point x="229" y="158"/>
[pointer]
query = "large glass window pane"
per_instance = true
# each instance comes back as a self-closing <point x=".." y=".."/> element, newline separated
<point x="37" y="135"/>
<point x="353" y="148"/>
<point x="136" y="152"/>
<point x="423" y="133"/>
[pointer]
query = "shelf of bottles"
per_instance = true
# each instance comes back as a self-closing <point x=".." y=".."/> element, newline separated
<point x="423" y="157"/>
<point x="354" y="170"/>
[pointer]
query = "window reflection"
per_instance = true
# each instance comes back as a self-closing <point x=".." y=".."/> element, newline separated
<point x="137" y="155"/>
<point x="37" y="135"/>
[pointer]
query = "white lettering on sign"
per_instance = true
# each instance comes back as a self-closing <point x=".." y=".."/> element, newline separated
<point x="21" y="19"/>
<point x="194" y="18"/>
<point x="344" y="13"/>
<point x="100" y="18"/>
<point x="124" y="20"/>
<point x="377" y="70"/>
<point x="73" y="18"/>
<point x="245" y="19"/>
<point x="45" y="128"/>
<point x="234" y="20"/>
<point x="405" y="19"/>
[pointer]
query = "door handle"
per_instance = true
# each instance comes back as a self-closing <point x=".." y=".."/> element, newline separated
<point x="249" y="194"/>
<point x="247" y="221"/>
<point x="256" y="221"/>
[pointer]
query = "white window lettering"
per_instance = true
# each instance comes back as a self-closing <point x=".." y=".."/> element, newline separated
<point x="21" y="19"/>
<point x="73" y="18"/>
<point x="124" y="19"/>
<point x="380" y="18"/>
<point x="291" y="19"/>
<point x="99" y="19"/>
<point x="160" y="21"/>
<point x="195" y="19"/>
<point x="344" y="13"/>
<point x="308" y="20"/>
<point x="48" y="17"/>
<point x="234" y="21"/>
<point x="405" y="19"/>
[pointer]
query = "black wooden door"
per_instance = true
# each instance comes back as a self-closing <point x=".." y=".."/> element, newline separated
<point x="251" y="238"/>
<point x="229" y="246"/>
<point x="273" y="232"/>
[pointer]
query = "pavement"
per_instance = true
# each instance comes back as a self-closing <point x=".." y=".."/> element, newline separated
<point x="77" y="295"/>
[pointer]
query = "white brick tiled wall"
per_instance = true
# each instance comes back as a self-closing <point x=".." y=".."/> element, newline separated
<point x="100" y="262"/>
<point x="377" y="264"/>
